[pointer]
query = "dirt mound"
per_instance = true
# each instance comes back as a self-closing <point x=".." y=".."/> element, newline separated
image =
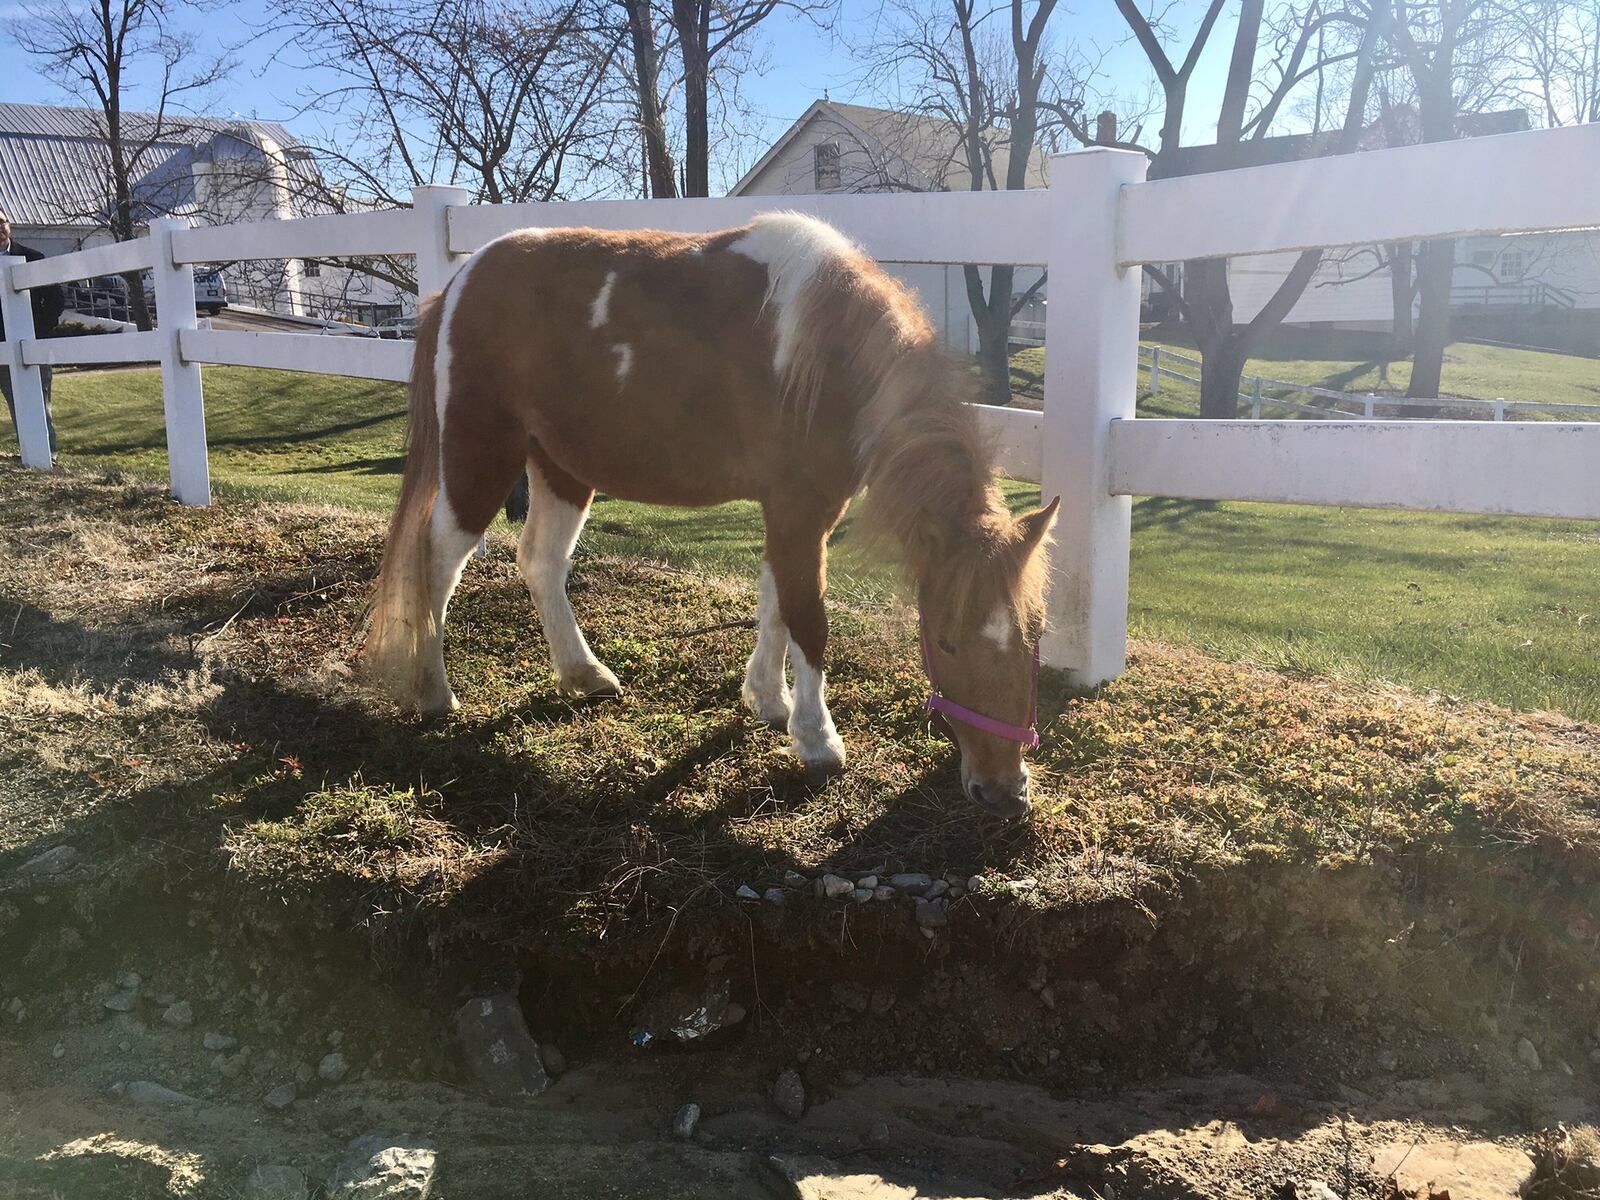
<point x="1350" y="893"/>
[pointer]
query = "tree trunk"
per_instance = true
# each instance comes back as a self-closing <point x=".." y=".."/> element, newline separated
<point x="992" y="316"/>
<point x="1436" y="266"/>
<point x="1401" y="294"/>
<point x="690" y="18"/>
<point x="1223" y="366"/>
<point x="658" y="158"/>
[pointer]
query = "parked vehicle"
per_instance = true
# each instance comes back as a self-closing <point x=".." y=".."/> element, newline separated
<point x="400" y="327"/>
<point x="210" y="293"/>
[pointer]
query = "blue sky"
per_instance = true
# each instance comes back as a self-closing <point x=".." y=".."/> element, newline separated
<point x="802" y="63"/>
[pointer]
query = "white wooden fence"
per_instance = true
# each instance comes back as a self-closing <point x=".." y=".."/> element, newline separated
<point x="1099" y="220"/>
<point x="1153" y="361"/>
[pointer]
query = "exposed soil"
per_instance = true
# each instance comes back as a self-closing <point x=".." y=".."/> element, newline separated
<point x="1261" y="931"/>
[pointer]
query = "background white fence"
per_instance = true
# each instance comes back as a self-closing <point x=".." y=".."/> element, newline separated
<point x="1257" y="389"/>
<point x="1099" y="220"/>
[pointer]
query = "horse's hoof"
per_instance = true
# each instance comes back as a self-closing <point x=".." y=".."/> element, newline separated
<point x="594" y="682"/>
<point x="438" y="708"/>
<point x="768" y="710"/>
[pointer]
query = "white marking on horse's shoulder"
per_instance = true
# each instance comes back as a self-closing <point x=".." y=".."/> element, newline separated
<point x="793" y="248"/>
<point x="441" y="354"/>
<point x="1000" y="629"/>
<point x="600" y="310"/>
<point x="624" y="353"/>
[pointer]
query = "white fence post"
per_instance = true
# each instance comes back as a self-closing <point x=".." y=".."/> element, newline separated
<point x="1091" y="380"/>
<point x="435" y="263"/>
<point x="1368" y="406"/>
<point x="182" y="393"/>
<point x="1255" y="401"/>
<point x="27" y="386"/>
<point x="1155" y="371"/>
<point x="1499" y="408"/>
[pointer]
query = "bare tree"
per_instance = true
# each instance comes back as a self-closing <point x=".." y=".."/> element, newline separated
<point x="1457" y="54"/>
<point x="660" y="171"/>
<point x="1301" y="52"/>
<point x="516" y="100"/>
<point x="1556" y="59"/>
<point x="92" y="50"/>
<point x="706" y="30"/>
<point x="979" y="94"/>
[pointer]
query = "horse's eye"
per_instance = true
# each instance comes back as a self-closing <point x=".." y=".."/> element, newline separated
<point x="947" y="647"/>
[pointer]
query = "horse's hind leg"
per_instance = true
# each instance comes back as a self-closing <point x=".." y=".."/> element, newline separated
<point x="557" y="508"/>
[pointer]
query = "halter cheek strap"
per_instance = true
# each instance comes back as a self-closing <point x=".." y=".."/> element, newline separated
<point x="938" y="703"/>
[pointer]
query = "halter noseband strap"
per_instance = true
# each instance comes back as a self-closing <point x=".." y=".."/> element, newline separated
<point x="938" y="703"/>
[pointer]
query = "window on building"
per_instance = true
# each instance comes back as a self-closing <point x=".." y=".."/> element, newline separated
<point x="1483" y="258"/>
<point x="310" y="268"/>
<point x="826" y="165"/>
<point x="1511" y="265"/>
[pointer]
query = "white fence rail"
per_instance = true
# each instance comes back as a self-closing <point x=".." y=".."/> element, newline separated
<point x="1092" y="229"/>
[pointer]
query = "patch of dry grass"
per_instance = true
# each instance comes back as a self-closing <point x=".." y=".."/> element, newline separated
<point x="178" y="678"/>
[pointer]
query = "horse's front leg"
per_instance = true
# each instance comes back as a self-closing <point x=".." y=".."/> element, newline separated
<point x="797" y="558"/>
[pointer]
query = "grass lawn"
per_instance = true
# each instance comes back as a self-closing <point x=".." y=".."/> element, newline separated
<point x="1499" y="609"/>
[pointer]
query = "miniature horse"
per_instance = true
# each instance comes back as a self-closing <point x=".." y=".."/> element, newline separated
<point x="774" y="363"/>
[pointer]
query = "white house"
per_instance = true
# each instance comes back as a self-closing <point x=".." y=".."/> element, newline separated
<point x="837" y="147"/>
<point x="55" y="186"/>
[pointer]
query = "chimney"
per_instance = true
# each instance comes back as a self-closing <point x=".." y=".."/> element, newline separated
<point x="1105" y="129"/>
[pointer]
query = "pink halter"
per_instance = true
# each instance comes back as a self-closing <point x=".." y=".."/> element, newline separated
<point x="943" y="705"/>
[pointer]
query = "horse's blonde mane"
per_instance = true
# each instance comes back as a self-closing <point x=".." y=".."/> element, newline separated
<point x="926" y="462"/>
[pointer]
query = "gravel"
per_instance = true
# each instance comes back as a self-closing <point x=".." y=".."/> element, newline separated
<point x="281" y="1096"/>
<point x="332" y="1068"/>
<point x="179" y="1015"/>
<point x="688" y="1117"/>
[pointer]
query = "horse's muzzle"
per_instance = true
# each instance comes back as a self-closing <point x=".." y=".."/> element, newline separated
<point x="1008" y="801"/>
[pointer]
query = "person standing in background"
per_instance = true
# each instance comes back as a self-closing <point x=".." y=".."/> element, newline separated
<point x="48" y="303"/>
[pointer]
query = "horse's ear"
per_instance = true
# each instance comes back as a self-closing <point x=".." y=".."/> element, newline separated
<point x="1037" y="524"/>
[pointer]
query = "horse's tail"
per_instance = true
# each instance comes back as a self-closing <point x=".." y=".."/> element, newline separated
<point x="403" y="629"/>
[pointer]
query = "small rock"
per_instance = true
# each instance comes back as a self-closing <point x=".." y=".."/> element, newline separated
<point x="142" y="1091"/>
<point x="125" y="1001"/>
<point x="774" y="895"/>
<point x="927" y="933"/>
<point x="276" y="1182"/>
<point x="179" y="1015"/>
<point x="861" y="895"/>
<point x="834" y="887"/>
<point x="1594" y="1055"/>
<point x="304" y="1073"/>
<point x="1386" y="1060"/>
<point x="495" y="1039"/>
<point x="219" y="1041"/>
<point x="1047" y="997"/>
<point x="57" y="860"/>
<point x="867" y="881"/>
<point x="281" y="1096"/>
<point x="124" y="1046"/>
<point x="376" y="1167"/>
<point x="974" y="882"/>
<point x="1561" y="1065"/>
<point x="336" y="1037"/>
<point x="1314" y="1189"/>
<point x="793" y="879"/>
<point x="746" y="892"/>
<point x="554" y="1061"/>
<point x="1527" y="1055"/>
<point x="931" y="914"/>
<point x="58" y="1051"/>
<point x="733" y="1014"/>
<point x="131" y="981"/>
<point x="883" y="892"/>
<point x="164" y="999"/>
<point x="789" y="1095"/>
<point x="936" y="889"/>
<point x="688" y="1117"/>
<point x="878" y="1135"/>
<point x="332" y="1068"/>
<point x="911" y="881"/>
